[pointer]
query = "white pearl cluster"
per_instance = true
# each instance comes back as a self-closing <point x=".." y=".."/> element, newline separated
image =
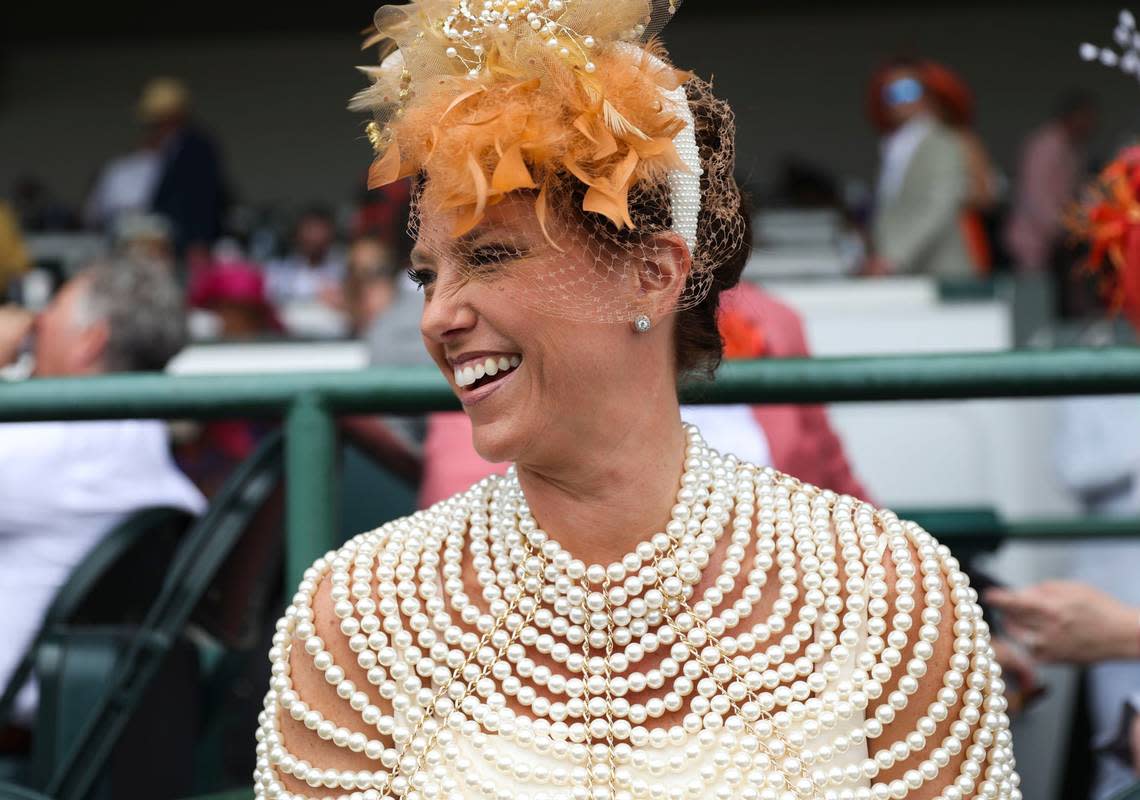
<point x="1127" y="38"/>
<point x="471" y="22"/>
<point x="458" y="706"/>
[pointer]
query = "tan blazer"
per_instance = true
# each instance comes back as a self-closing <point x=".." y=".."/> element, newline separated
<point x="917" y="229"/>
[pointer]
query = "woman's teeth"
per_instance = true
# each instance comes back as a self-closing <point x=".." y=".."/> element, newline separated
<point x="465" y="376"/>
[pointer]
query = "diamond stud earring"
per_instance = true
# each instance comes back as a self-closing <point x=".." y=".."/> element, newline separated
<point x="642" y="323"/>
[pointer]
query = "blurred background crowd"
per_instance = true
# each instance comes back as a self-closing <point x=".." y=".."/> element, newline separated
<point x="190" y="197"/>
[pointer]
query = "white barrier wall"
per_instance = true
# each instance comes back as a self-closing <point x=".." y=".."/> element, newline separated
<point x="990" y="452"/>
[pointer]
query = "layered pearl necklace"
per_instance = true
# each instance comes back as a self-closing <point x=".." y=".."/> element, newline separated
<point x="458" y="706"/>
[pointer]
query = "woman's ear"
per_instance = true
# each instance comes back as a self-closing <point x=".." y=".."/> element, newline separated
<point x="663" y="273"/>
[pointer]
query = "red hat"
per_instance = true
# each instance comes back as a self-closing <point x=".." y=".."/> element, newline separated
<point x="953" y="97"/>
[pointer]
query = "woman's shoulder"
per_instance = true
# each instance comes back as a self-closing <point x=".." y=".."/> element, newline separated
<point x="913" y="561"/>
<point x="914" y="632"/>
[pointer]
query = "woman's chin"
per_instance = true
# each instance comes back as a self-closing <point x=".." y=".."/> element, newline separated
<point x="495" y="441"/>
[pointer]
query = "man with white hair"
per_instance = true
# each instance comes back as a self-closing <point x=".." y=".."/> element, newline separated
<point x="64" y="485"/>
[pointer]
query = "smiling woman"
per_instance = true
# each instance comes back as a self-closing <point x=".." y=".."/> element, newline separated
<point x="627" y="613"/>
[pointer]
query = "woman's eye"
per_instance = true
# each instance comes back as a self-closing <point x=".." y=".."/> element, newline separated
<point x="490" y="257"/>
<point x="422" y="278"/>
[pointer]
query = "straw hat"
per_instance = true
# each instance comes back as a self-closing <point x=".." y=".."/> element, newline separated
<point x="163" y="98"/>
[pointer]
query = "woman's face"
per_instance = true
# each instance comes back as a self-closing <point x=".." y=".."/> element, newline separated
<point x="904" y="95"/>
<point x="534" y="385"/>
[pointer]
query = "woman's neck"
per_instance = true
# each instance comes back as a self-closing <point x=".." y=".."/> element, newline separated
<point x="614" y="490"/>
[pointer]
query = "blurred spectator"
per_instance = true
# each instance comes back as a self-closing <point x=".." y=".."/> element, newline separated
<point x="126" y="184"/>
<point x="385" y="310"/>
<point x="800" y="437"/>
<point x="145" y="237"/>
<point x="955" y="105"/>
<point x="393" y="333"/>
<point x="370" y="282"/>
<point x="63" y="485"/>
<point x="383" y="213"/>
<point x="797" y="439"/>
<point x="234" y="292"/>
<point x="37" y="209"/>
<point x="1049" y="173"/>
<point x="1097" y="456"/>
<point x="190" y="189"/>
<point x="14" y="260"/>
<point x="312" y="272"/>
<point x="1072" y="622"/>
<point x="923" y="183"/>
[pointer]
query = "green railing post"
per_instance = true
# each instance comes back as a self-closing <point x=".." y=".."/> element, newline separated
<point x="311" y="484"/>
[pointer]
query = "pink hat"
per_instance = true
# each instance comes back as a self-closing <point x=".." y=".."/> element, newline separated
<point x="235" y="283"/>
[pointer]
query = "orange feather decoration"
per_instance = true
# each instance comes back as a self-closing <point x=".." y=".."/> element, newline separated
<point x="530" y="115"/>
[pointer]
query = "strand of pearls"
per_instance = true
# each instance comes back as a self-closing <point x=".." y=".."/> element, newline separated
<point x="534" y="692"/>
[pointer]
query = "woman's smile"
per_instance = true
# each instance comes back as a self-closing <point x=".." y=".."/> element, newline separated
<point x="478" y="375"/>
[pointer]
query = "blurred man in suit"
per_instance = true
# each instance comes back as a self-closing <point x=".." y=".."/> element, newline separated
<point x="922" y="185"/>
<point x="190" y="188"/>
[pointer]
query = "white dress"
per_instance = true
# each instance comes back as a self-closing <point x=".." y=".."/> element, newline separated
<point x="789" y="706"/>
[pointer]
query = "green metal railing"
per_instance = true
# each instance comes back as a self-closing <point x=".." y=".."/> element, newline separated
<point x="309" y="403"/>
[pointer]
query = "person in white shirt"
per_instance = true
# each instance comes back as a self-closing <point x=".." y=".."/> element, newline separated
<point x="64" y="485"/>
<point x="313" y="272"/>
<point x="1097" y="456"/>
<point x="1073" y="622"/>
<point x="124" y="186"/>
<point x="306" y="286"/>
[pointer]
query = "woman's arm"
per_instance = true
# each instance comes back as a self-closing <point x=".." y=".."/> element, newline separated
<point x="1069" y="622"/>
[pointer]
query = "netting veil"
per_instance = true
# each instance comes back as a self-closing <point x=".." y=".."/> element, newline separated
<point x="568" y="106"/>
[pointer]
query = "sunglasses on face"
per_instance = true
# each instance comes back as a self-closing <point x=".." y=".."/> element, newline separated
<point x="902" y="91"/>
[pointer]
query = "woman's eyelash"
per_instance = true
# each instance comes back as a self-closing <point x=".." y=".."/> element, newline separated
<point x="421" y="277"/>
<point x="493" y="255"/>
<point x="484" y="258"/>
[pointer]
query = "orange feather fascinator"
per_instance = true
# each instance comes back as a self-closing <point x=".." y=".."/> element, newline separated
<point x="486" y="97"/>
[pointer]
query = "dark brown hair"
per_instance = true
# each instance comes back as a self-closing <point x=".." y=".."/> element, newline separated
<point x="698" y="347"/>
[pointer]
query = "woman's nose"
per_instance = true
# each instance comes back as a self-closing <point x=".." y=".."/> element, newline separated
<point x="447" y="314"/>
